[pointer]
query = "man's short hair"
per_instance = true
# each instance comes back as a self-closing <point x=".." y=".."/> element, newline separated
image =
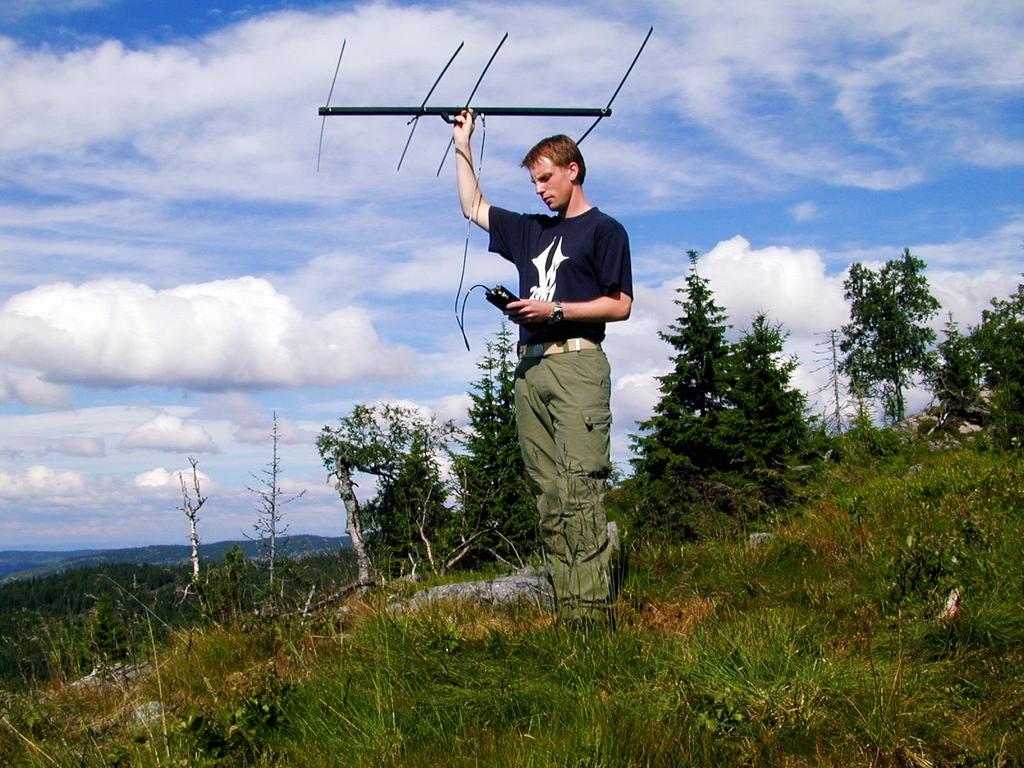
<point x="560" y="150"/>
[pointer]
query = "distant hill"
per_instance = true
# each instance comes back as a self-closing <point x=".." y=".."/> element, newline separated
<point x="23" y="565"/>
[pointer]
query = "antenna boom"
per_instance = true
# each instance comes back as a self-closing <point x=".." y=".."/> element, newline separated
<point x="448" y="112"/>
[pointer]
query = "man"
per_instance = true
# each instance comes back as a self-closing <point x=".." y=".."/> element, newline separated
<point x="574" y="276"/>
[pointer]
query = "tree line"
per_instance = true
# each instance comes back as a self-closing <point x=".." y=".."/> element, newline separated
<point x="729" y="441"/>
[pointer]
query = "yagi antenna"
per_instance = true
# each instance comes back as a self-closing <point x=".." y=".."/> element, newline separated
<point x="448" y="114"/>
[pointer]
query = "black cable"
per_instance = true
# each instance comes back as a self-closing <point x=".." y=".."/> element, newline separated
<point x="461" y="320"/>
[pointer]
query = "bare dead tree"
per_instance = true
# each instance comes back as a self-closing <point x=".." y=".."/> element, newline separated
<point x="191" y="509"/>
<point x="340" y="468"/>
<point x="422" y="526"/>
<point x="829" y="361"/>
<point x="269" y="523"/>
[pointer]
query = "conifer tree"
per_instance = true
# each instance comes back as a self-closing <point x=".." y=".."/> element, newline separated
<point x="956" y="380"/>
<point x="887" y="342"/>
<point x="410" y="516"/>
<point x="764" y="424"/>
<point x="106" y="631"/>
<point x="1000" y="343"/>
<point x="492" y="478"/>
<point x="677" y="444"/>
<point x="677" y="439"/>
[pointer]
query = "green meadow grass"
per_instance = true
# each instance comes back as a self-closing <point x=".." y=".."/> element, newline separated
<point x="820" y="647"/>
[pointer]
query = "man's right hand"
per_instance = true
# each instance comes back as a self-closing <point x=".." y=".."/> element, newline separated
<point x="462" y="128"/>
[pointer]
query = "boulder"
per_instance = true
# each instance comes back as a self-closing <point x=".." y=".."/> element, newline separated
<point x="531" y="585"/>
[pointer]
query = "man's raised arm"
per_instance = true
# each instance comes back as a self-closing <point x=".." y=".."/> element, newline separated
<point x="471" y="197"/>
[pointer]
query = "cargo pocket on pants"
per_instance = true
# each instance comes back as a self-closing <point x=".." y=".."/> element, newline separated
<point x="595" y="453"/>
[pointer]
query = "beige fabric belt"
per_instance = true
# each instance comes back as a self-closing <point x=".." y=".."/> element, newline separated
<point x="543" y="349"/>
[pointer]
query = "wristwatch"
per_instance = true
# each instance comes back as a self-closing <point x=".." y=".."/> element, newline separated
<point x="557" y="314"/>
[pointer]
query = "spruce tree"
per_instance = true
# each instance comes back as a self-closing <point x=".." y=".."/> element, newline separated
<point x="106" y="632"/>
<point x="493" y="485"/>
<point x="764" y="425"/>
<point x="956" y="380"/>
<point x="677" y="444"/>
<point x="1000" y="343"/>
<point x="412" y="519"/>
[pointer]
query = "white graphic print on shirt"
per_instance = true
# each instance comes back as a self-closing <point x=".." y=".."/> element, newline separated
<point x="547" y="263"/>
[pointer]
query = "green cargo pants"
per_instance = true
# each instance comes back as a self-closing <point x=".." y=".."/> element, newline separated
<point x="564" y="420"/>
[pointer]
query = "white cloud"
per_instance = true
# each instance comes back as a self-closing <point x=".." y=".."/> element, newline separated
<point x="966" y="294"/>
<point x="803" y="212"/>
<point x="454" y="408"/>
<point x="252" y="422"/>
<point x="227" y="333"/>
<point x="36" y="433"/>
<point x="127" y="498"/>
<point x="791" y="285"/>
<point x="905" y="77"/>
<point x="159" y="479"/>
<point x="154" y="478"/>
<point x="237" y="407"/>
<point x="292" y="488"/>
<point x="31" y="389"/>
<point x="165" y="432"/>
<point x="39" y="481"/>
<point x="635" y="395"/>
<point x="79" y="446"/>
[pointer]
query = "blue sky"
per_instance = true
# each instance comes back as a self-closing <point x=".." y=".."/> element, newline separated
<point x="173" y="269"/>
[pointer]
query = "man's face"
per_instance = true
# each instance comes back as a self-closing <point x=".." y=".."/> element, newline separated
<point x="553" y="182"/>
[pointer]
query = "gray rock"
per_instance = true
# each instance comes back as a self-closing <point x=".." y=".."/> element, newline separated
<point x="530" y="585"/>
<point x="968" y="429"/>
<point x="757" y="539"/>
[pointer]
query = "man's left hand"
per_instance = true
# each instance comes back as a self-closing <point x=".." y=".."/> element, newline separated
<point x="529" y="311"/>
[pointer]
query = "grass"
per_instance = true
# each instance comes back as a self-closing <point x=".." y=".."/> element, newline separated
<point x="820" y="647"/>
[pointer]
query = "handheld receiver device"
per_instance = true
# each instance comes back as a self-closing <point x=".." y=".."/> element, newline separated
<point x="499" y="296"/>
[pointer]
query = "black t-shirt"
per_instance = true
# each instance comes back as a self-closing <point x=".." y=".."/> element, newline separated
<point x="574" y="259"/>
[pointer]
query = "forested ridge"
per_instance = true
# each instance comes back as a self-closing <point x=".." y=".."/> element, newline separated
<point x="20" y="564"/>
<point x="65" y="624"/>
